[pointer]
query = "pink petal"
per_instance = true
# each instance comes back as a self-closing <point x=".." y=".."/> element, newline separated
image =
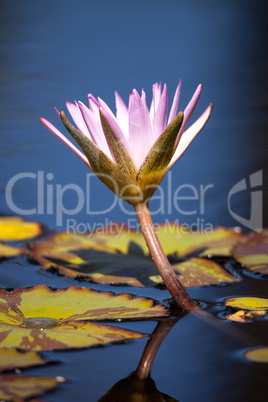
<point x="78" y="118"/>
<point x="189" y="111"/>
<point x="155" y="99"/>
<point x="160" y="117"/>
<point x="140" y="129"/>
<point x="175" y="104"/>
<point x="94" y="127"/>
<point x="105" y="106"/>
<point x="61" y="137"/>
<point x="121" y="114"/>
<point x="188" y="136"/>
<point x="94" y="105"/>
<point x="191" y="107"/>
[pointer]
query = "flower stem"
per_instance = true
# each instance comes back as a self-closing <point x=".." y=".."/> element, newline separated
<point x="169" y="277"/>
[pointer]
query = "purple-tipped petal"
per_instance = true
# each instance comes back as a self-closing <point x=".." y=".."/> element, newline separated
<point x="140" y="129"/>
<point x="175" y="104"/>
<point x="121" y="114"/>
<point x="188" y="136"/>
<point x="95" y="129"/>
<point x="160" y="116"/>
<point x="65" y="140"/>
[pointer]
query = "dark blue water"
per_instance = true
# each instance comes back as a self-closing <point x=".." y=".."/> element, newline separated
<point x="54" y="51"/>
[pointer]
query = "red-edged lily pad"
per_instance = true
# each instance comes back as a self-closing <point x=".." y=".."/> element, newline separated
<point x="42" y="319"/>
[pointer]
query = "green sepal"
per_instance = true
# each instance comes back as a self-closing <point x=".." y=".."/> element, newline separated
<point x="153" y="168"/>
<point x="104" y="168"/>
<point x="118" y="149"/>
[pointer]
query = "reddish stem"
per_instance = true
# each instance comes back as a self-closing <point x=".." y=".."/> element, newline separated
<point x="169" y="277"/>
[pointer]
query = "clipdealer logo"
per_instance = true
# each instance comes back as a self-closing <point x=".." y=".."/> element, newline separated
<point x="255" y="220"/>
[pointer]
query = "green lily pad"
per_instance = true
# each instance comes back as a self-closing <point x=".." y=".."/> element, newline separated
<point x="11" y="359"/>
<point x="17" y="229"/>
<point x="252" y="253"/>
<point x="19" y="387"/>
<point x="42" y="319"/>
<point x="257" y="355"/>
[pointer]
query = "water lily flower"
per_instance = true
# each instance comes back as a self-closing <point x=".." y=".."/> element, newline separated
<point x="132" y="150"/>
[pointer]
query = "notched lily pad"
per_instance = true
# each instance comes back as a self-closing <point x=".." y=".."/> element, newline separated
<point x="42" y="319"/>
<point x="18" y="387"/>
<point x="252" y="253"/>
<point x="11" y="359"/>
<point x="17" y="229"/>
<point x="257" y="355"/>
<point x="199" y="272"/>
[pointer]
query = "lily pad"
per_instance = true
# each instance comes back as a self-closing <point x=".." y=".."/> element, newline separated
<point x="18" y="387"/>
<point x="248" y="303"/>
<point x="175" y="239"/>
<point x="245" y="316"/>
<point x="17" y="229"/>
<point x="11" y="359"/>
<point x="252" y="253"/>
<point x="178" y="240"/>
<point x="10" y="251"/>
<point x="79" y="256"/>
<point x="42" y="319"/>
<point x="257" y="355"/>
<point x="199" y="272"/>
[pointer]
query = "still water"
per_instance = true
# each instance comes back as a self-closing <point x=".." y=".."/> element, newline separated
<point x="54" y="51"/>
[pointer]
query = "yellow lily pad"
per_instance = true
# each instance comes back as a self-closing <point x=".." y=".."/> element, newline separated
<point x="18" y="387"/>
<point x="252" y="253"/>
<point x="17" y="229"/>
<point x="175" y="239"/>
<point x="199" y="272"/>
<point x="257" y="355"/>
<point x="10" y="359"/>
<point x="42" y="319"/>
<point x="10" y="251"/>
<point x="96" y="259"/>
<point x="181" y="241"/>
<point x="248" y="303"/>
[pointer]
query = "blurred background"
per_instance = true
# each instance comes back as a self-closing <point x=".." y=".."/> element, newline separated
<point x="54" y="51"/>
